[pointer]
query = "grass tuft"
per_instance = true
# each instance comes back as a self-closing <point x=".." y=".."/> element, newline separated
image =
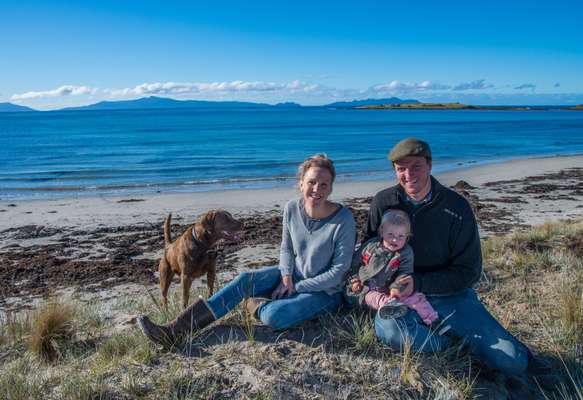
<point x="356" y="333"/>
<point x="52" y="331"/>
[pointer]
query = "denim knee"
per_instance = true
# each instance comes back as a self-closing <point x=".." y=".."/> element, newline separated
<point x="390" y="332"/>
<point x="395" y="333"/>
<point x="274" y="317"/>
<point x="243" y="279"/>
<point x="510" y="358"/>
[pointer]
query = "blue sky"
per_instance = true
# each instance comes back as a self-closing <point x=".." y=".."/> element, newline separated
<point x="55" y="54"/>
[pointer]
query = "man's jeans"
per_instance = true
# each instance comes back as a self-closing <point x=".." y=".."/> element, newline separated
<point x="278" y="314"/>
<point x="470" y="321"/>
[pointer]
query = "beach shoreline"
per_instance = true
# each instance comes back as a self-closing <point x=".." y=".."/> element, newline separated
<point x="123" y="210"/>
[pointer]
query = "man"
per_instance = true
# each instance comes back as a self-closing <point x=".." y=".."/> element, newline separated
<point x="448" y="261"/>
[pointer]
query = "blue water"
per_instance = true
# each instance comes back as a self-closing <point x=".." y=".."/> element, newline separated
<point x="89" y="153"/>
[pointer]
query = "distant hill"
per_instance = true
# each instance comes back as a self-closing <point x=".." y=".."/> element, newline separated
<point x="288" y="104"/>
<point x="9" y="107"/>
<point x="162" y="102"/>
<point x="370" y="102"/>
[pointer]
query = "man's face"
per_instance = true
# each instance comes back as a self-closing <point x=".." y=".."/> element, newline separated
<point x="413" y="175"/>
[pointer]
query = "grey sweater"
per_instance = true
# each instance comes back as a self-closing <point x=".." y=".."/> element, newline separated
<point x="317" y="253"/>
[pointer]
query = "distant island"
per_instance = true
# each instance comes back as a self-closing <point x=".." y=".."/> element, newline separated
<point x="153" y="102"/>
<point x="9" y="107"/>
<point x="370" y="102"/>
<point x="460" y="106"/>
<point x="392" y="103"/>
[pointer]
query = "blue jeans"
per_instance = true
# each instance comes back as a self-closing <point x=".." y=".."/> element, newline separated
<point x="470" y="321"/>
<point x="278" y="314"/>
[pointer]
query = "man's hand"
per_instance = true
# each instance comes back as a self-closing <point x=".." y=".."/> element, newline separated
<point x="406" y="286"/>
<point x="395" y="293"/>
<point x="356" y="285"/>
<point x="285" y="288"/>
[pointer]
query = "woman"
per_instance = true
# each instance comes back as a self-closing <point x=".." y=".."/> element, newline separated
<point x="316" y="251"/>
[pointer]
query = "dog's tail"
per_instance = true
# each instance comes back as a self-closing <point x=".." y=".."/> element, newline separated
<point x="167" y="238"/>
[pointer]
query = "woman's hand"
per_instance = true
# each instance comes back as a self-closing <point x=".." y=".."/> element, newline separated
<point x="285" y="288"/>
<point x="356" y="285"/>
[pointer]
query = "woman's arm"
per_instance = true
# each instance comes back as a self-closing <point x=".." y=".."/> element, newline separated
<point x="287" y="258"/>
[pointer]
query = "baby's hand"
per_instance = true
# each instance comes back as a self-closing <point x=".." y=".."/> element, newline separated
<point x="356" y="285"/>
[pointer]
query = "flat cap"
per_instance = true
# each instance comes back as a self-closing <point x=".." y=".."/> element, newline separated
<point x="410" y="147"/>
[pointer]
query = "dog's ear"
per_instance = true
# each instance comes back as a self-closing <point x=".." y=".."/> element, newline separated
<point x="208" y="221"/>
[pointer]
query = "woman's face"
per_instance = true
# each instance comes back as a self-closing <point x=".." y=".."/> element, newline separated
<point x="316" y="186"/>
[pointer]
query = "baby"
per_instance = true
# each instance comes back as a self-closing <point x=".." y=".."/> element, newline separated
<point x="379" y="267"/>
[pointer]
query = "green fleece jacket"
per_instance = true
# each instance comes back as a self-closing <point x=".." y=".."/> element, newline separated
<point x="445" y="241"/>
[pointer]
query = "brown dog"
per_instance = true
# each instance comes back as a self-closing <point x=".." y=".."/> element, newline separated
<point x="189" y="255"/>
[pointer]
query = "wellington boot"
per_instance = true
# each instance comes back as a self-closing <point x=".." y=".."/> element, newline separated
<point x="191" y="320"/>
<point x="252" y="305"/>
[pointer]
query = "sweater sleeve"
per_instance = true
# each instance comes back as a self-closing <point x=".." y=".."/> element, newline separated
<point x="464" y="266"/>
<point x="406" y="264"/>
<point x="287" y="260"/>
<point x="332" y="277"/>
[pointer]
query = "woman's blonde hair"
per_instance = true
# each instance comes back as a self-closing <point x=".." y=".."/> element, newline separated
<point x="317" y="160"/>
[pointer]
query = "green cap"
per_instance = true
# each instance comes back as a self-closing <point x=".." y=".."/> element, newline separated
<point x="410" y="147"/>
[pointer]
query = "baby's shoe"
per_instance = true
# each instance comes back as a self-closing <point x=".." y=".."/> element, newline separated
<point x="393" y="309"/>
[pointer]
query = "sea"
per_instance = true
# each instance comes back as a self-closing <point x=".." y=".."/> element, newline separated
<point x="66" y="154"/>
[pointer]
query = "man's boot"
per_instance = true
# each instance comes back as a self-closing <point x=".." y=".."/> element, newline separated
<point x="194" y="318"/>
<point x="252" y="305"/>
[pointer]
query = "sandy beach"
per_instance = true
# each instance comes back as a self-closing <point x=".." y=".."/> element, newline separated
<point x="90" y="245"/>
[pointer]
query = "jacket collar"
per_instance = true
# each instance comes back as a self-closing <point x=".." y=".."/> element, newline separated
<point x="436" y="189"/>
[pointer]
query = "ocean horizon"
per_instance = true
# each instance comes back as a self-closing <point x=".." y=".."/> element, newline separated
<point x="69" y="154"/>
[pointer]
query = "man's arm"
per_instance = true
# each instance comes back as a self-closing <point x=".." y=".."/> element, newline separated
<point x="464" y="266"/>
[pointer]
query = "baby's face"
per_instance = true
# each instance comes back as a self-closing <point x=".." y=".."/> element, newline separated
<point x="394" y="237"/>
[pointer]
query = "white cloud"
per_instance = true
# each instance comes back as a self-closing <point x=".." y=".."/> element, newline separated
<point x="193" y="88"/>
<point x="406" y="87"/>
<point x="479" y="84"/>
<point x="65" y="90"/>
<point x="213" y="90"/>
<point x="302" y="91"/>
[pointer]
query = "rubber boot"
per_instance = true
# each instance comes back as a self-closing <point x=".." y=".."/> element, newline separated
<point x="252" y="305"/>
<point x="194" y="318"/>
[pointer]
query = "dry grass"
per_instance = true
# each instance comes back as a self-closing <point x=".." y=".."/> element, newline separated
<point x="14" y="328"/>
<point x="534" y="286"/>
<point x="533" y="283"/>
<point x="52" y="331"/>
